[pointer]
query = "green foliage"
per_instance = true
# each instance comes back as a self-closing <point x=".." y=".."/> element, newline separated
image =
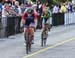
<point x="61" y="1"/>
<point x="50" y="2"/>
<point x="0" y="0"/>
<point x="33" y="0"/>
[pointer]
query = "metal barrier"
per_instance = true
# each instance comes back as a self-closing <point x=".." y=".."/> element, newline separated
<point x="57" y="19"/>
<point x="63" y="18"/>
<point x="2" y="27"/>
<point x="9" y="26"/>
<point x="69" y="18"/>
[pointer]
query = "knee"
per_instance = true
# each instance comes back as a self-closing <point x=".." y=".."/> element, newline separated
<point x="24" y="30"/>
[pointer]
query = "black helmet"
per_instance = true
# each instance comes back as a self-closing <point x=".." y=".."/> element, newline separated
<point x="29" y="11"/>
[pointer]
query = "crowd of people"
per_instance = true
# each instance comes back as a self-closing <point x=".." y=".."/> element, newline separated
<point x="64" y="7"/>
<point x="13" y="10"/>
<point x="40" y="11"/>
<point x="16" y="9"/>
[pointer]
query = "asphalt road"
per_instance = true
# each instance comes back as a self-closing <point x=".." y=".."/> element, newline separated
<point x="60" y="44"/>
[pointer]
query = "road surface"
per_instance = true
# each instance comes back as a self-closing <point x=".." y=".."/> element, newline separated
<point x="60" y="44"/>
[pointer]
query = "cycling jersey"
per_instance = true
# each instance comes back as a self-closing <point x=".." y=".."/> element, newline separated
<point x="45" y="17"/>
<point x="29" y="19"/>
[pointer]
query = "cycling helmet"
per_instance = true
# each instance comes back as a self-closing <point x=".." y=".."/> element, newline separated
<point x="29" y="11"/>
<point x="46" y="8"/>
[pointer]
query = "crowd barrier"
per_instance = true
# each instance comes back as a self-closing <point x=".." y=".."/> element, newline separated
<point x="11" y="25"/>
<point x="57" y="19"/>
<point x="69" y="18"/>
<point x="63" y="18"/>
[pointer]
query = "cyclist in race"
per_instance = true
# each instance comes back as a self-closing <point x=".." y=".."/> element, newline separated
<point x="29" y="18"/>
<point x="45" y="17"/>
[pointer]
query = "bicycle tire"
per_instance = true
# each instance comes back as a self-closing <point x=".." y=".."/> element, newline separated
<point x="27" y="42"/>
<point x="41" y="40"/>
<point x="45" y="41"/>
<point x="44" y="36"/>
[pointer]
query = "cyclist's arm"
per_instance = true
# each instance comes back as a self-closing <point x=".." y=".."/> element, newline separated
<point x="42" y="15"/>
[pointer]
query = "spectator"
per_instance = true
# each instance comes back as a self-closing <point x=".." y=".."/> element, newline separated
<point x="62" y="9"/>
<point x="17" y="8"/>
<point x="67" y="7"/>
<point x="73" y="8"/>
<point x="5" y="14"/>
<point x="56" y="9"/>
<point x="22" y="8"/>
<point x="28" y="4"/>
<point x="5" y="10"/>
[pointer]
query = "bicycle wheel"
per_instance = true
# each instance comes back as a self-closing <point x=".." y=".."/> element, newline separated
<point x="27" y="42"/>
<point x="44" y="41"/>
<point x="44" y="36"/>
<point x="41" y="39"/>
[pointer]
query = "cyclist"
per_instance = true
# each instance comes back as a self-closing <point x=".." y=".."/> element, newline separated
<point x="29" y="18"/>
<point x="45" y="17"/>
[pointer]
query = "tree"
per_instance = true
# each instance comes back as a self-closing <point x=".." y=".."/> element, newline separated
<point x="61" y="1"/>
<point x="50" y="2"/>
<point x="0" y="1"/>
<point x="33" y="0"/>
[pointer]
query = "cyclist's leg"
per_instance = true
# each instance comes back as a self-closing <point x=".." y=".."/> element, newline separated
<point x="47" y="23"/>
<point x="25" y="29"/>
<point x="24" y="33"/>
<point x="43" y="22"/>
<point x="32" y="31"/>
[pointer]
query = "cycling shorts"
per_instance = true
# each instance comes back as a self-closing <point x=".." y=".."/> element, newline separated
<point x="44" y="20"/>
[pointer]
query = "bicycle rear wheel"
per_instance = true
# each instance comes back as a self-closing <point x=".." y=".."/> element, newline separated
<point x="43" y="39"/>
<point x="44" y="36"/>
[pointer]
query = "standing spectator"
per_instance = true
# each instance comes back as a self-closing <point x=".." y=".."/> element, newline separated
<point x="5" y="14"/>
<point x="17" y="8"/>
<point x="22" y="8"/>
<point x="5" y="10"/>
<point x="62" y="9"/>
<point x="67" y="7"/>
<point x="56" y="9"/>
<point x="28" y="4"/>
<point x="73" y="8"/>
<point x="39" y="11"/>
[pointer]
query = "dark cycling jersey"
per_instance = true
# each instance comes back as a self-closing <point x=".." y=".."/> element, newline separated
<point x="29" y="19"/>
